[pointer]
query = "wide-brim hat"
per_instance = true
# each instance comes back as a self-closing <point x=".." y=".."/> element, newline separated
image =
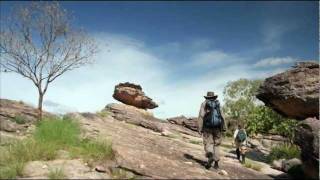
<point x="210" y="95"/>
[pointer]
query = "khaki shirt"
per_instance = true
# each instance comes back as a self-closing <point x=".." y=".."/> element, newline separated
<point x="201" y="115"/>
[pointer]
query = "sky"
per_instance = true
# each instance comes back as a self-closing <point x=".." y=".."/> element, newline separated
<point x="177" y="51"/>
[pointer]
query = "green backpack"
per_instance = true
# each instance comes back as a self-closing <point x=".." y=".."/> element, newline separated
<point x="241" y="136"/>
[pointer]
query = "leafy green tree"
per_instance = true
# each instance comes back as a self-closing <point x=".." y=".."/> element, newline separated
<point x="239" y="98"/>
<point x="242" y="105"/>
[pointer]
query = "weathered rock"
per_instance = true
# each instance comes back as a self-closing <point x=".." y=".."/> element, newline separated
<point x="293" y="93"/>
<point x="17" y="118"/>
<point x="74" y="169"/>
<point x="307" y="137"/>
<point x="100" y="168"/>
<point x="9" y="126"/>
<point x="287" y="164"/>
<point x="190" y="123"/>
<point x="277" y="164"/>
<point x="148" y="154"/>
<point x="132" y="94"/>
<point x="135" y="116"/>
<point x="10" y="109"/>
<point x="223" y="172"/>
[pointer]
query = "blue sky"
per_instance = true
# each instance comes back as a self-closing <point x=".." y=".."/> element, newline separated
<point x="177" y="50"/>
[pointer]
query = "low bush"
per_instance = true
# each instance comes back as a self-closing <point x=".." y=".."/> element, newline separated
<point x="286" y="151"/>
<point x="50" y="136"/>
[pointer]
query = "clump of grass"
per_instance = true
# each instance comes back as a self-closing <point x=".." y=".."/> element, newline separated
<point x="19" y="119"/>
<point x="174" y="136"/>
<point x="60" y="132"/>
<point x="103" y="113"/>
<point x="50" y="136"/>
<point x="286" y="151"/>
<point x="118" y="173"/>
<point x="93" y="149"/>
<point x="195" y="142"/>
<point x="252" y="165"/>
<point x="56" y="173"/>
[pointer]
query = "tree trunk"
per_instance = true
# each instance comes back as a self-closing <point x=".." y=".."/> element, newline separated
<point x="40" y="100"/>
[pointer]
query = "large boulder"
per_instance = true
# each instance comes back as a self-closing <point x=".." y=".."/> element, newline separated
<point x="132" y="94"/>
<point x="307" y="137"/>
<point x="293" y="93"/>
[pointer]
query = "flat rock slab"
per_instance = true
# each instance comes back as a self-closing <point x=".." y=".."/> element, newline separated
<point x="152" y="155"/>
<point x="72" y="169"/>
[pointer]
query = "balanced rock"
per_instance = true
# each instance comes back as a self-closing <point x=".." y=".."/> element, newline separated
<point x="293" y="93"/>
<point x="132" y="94"/>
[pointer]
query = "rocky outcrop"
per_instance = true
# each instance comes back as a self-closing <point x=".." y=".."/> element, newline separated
<point x="135" y="116"/>
<point x="132" y="94"/>
<point x="147" y="153"/>
<point x="293" y="93"/>
<point x="307" y="137"/>
<point x="190" y="123"/>
<point x="16" y="116"/>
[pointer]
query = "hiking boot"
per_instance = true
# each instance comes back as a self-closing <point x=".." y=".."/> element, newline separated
<point x="209" y="163"/>
<point x="238" y="153"/>
<point x="216" y="165"/>
<point x="243" y="159"/>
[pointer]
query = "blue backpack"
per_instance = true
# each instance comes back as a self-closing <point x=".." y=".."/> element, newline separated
<point x="212" y="118"/>
<point x="241" y="136"/>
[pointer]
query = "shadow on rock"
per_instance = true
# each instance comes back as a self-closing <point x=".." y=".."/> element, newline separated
<point x="199" y="161"/>
<point x="252" y="154"/>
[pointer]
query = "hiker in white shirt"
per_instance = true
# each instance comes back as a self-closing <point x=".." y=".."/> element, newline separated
<point x="240" y="140"/>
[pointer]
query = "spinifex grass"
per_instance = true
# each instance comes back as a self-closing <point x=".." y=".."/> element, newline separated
<point x="50" y="136"/>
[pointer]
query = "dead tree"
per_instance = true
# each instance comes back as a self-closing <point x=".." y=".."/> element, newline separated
<point x="39" y="42"/>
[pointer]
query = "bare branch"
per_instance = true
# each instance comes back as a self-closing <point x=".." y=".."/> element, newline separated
<point x="39" y="43"/>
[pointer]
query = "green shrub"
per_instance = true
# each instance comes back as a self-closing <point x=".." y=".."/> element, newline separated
<point x="19" y="119"/>
<point x="286" y="151"/>
<point x="51" y="135"/>
<point x="56" y="173"/>
<point x="102" y="113"/>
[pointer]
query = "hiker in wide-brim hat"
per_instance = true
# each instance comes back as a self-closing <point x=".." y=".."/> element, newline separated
<point x="210" y="95"/>
<point x="210" y="125"/>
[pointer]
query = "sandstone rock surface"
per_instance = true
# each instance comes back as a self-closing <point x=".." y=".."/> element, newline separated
<point x="293" y="93"/>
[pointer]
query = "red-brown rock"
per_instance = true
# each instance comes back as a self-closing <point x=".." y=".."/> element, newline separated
<point x="132" y="94"/>
<point x="293" y="93"/>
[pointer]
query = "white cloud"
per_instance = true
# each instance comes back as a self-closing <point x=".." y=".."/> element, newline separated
<point x="57" y="108"/>
<point x="123" y="59"/>
<point x="274" y="61"/>
<point x="210" y="58"/>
